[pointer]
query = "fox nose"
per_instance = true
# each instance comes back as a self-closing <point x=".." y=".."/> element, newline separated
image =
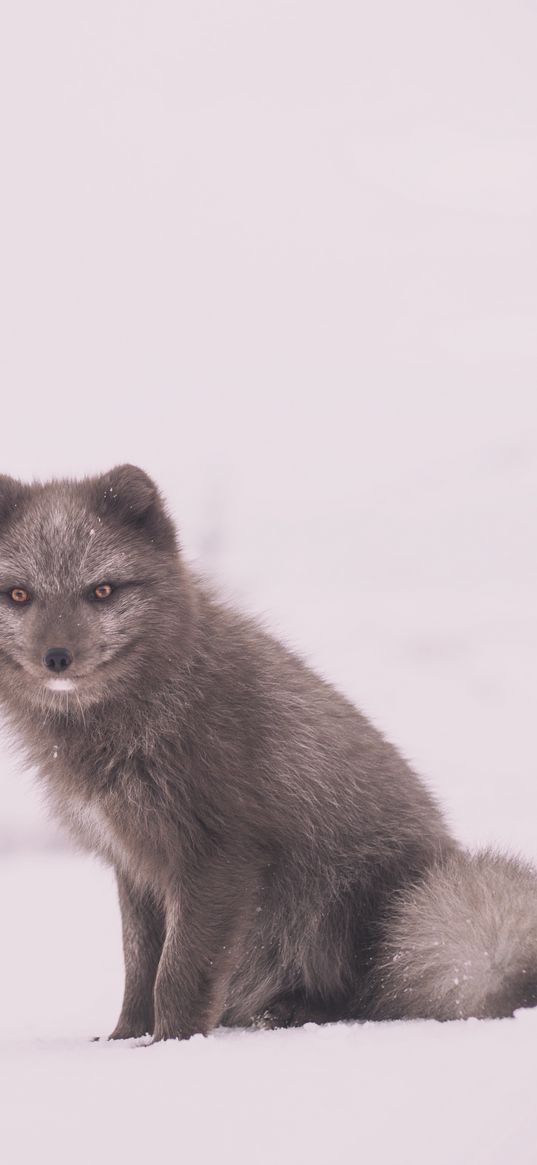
<point x="57" y="659"/>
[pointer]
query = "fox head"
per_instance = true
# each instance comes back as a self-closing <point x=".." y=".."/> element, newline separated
<point x="91" y="589"/>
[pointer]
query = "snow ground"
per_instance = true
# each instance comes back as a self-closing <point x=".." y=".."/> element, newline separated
<point x="283" y="256"/>
<point x="411" y="1093"/>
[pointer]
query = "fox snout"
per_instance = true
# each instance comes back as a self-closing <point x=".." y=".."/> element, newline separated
<point x="57" y="660"/>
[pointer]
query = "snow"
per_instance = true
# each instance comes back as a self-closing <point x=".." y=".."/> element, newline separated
<point x="407" y="1092"/>
<point x="283" y="256"/>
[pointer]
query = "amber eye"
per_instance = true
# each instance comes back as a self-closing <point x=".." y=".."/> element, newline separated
<point x="103" y="591"/>
<point x="19" y="595"/>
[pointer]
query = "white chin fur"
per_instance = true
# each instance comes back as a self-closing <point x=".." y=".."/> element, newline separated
<point x="61" y="685"/>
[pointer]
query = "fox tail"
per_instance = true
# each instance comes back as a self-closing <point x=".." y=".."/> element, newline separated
<point x="461" y="942"/>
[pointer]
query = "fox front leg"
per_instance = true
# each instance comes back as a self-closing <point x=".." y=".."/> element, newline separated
<point x="205" y="923"/>
<point x="143" y="927"/>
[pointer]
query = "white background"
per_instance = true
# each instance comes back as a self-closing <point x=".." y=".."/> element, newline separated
<point x="283" y="255"/>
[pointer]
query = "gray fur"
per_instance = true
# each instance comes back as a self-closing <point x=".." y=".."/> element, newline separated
<point x="461" y="942"/>
<point x="277" y="860"/>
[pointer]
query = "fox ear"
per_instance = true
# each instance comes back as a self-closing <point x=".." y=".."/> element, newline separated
<point x="11" y="492"/>
<point x="130" y="495"/>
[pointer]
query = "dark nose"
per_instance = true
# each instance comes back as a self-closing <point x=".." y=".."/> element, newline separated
<point x="57" y="659"/>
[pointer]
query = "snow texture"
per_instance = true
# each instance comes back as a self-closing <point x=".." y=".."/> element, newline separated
<point x="410" y="1092"/>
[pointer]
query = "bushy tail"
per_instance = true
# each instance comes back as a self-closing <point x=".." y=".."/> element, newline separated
<point x="461" y="943"/>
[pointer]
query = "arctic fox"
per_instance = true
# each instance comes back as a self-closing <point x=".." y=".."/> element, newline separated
<point x="277" y="860"/>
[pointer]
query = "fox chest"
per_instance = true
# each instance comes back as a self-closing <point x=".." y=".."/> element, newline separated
<point x="117" y="834"/>
<point x="94" y="829"/>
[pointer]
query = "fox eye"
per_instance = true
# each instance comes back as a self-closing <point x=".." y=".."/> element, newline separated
<point x="19" y="595"/>
<point x="103" y="591"/>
